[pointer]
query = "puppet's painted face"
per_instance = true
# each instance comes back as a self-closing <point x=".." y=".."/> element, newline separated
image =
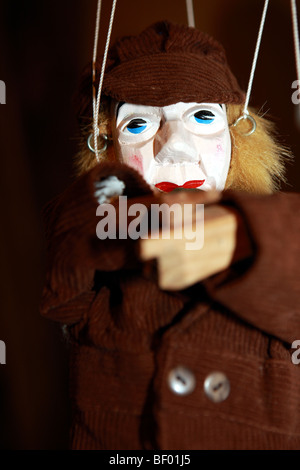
<point x="184" y="144"/>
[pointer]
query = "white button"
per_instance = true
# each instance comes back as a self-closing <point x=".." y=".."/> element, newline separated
<point x="217" y="386"/>
<point x="181" y="380"/>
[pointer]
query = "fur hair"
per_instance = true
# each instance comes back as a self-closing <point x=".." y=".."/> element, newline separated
<point x="257" y="161"/>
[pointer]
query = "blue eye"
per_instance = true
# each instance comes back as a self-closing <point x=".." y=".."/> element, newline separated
<point x="204" y="117"/>
<point x="136" y="126"/>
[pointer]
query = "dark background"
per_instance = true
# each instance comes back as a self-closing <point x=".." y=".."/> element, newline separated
<point x="43" y="47"/>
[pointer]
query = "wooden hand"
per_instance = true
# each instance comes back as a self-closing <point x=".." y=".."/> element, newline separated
<point x="225" y="242"/>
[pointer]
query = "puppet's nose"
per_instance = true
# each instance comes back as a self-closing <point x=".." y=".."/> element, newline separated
<point x="173" y="144"/>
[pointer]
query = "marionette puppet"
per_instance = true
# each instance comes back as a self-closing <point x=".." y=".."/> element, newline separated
<point x="197" y="357"/>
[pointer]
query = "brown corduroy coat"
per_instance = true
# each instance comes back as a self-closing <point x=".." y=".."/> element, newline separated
<point x="126" y="334"/>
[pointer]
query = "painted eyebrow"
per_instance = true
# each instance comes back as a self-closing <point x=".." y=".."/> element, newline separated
<point x="123" y="102"/>
<point x="220" y="106"/>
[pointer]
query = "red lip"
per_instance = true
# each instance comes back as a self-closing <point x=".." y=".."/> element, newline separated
<point x="168" y="187"/>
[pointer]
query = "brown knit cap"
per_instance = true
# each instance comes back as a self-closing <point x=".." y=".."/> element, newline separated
<point x="163" y="65"/>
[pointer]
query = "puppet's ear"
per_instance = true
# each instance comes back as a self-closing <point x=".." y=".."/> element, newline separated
<point x="257" y="160"/>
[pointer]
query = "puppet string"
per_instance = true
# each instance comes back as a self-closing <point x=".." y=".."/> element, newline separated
<point x="296" y="37"/>
<point x="190" y="13"/>
<point x="260" y="32"/>
<point x="95" y="54"/>
<point x="96" y="102"/>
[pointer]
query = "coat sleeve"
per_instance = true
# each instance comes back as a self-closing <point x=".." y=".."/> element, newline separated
<point x="74" y="253"/>
<point x="265" y="290"/>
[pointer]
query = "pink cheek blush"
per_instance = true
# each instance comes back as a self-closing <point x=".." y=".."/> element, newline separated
<point x="136" y="162"/>
<point x="219" y="151"/>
